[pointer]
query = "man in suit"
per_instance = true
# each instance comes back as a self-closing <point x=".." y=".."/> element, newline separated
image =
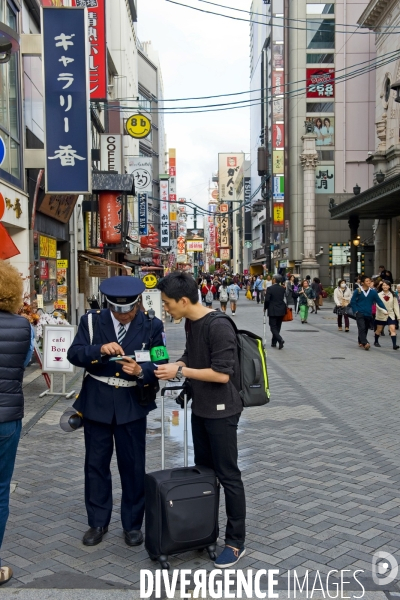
<point x="117" y="394"/>
<point x="276" y="306"/>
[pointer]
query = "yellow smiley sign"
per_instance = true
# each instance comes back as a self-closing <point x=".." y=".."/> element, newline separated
<point x="138" y="126"/>
<point x="150" y="281"/>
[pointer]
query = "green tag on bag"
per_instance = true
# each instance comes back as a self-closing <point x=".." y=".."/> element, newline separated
<point x="159" y="353"/>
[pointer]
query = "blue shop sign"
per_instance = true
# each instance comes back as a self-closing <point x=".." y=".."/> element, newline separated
<point x="142" y="201"/>
<point x="66" y="100"/>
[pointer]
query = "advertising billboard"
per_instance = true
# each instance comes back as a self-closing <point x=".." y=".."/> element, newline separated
<point x="228" y="168"/>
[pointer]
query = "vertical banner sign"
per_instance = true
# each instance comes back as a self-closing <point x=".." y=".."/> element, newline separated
<point x="172" y="192"/>
<point x="142" y="201"/>
<point x="98" y="49"/>
<point x="228" y="168"/>
<point x="248" y="236"/>
<point x="164" y="213"/>
<point x="66" y="101"/>
<point x="111" y="153"/>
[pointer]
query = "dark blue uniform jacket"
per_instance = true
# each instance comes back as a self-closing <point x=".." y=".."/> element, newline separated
<point x="99" y="401"/>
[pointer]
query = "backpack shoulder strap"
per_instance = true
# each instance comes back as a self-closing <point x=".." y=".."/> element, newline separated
<point x="216" y="314"/>
<point x="90" y="327"/>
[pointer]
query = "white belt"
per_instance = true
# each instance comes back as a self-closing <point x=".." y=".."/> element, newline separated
<point x="114" y="381"/>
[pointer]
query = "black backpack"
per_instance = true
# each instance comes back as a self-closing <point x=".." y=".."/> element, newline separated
<point x="254" y="385"/>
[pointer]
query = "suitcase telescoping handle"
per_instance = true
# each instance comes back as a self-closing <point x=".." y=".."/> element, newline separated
<point x="185" y="431"/>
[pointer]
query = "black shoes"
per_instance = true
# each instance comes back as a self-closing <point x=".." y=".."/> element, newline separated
<point x="281" y="344"/>
<point x="133" y="538"/>
<point x="377" y="345"/>
<point x="94" y="536"/>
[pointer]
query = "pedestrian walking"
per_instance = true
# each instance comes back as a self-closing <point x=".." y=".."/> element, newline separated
<point x="117" y="394"/>
<point x="317" y="288"/>
<point x="292" y="292"/>
<point x="361" y="303"/>
<point x="223" y="296"/>
<point x="342" y="297"/>
<point x="392" y="316"/>
<point x="276" y="307"/>
<point x="16" y="347"/>
<point x="212" y="365"/>
<point x="233" y="291"/>
<point x="385" y="275"/>
<point x="208" y="291"/>
<point x="258" y="286"/>
<point x="306" y="300"/>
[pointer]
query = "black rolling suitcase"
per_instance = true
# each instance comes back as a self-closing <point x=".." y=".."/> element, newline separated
<point x="181" y="505"/>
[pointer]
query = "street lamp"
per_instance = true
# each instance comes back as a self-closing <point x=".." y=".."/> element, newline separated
<point x="356" y="189"/>
<point x="356" y="241"/>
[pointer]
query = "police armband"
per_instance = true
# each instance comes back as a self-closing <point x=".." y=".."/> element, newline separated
<point x="159" y="353"/>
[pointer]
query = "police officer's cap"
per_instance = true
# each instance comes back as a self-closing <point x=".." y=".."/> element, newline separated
<point x="122" y="292"/>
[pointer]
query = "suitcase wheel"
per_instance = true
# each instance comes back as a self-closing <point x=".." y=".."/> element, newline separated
<point x="163" y="560"/>
<point x="211" y="552"/>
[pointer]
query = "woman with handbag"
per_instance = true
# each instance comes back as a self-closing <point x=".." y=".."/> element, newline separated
<point x="317" y="287"/>
<point x="342" y="297"/>
<point x="382" y="319"/>
<point x="306" y="300"/>
<point x="292" y="292"/>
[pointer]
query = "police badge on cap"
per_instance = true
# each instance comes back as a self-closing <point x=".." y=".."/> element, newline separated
<point x="122" y="292"/>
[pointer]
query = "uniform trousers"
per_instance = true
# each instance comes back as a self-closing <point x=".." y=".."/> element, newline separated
<point x="130" y="447"/>
<point x="275" y="324"/>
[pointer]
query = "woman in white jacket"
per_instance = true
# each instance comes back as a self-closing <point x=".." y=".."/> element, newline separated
<point x="342" y="297"/>
<point x="392" y="306"/>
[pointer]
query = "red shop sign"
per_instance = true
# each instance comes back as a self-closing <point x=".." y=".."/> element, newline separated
<point x="320" y="83"/>
<point x="110" y="210"/>
<point x="98" y="49"/>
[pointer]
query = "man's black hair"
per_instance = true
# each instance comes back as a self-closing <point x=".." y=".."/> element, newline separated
<point x="178" y="285"/>
<point x="364" y="277"/>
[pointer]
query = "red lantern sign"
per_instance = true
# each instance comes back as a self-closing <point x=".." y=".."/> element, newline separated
<point x="110" y="211"/>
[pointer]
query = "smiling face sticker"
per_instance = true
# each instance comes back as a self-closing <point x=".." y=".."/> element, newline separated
<point x="138" y="126"/>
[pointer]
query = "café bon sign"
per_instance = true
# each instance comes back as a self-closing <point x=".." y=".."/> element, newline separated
<point x="56" y="341"/>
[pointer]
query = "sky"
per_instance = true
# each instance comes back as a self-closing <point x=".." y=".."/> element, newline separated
<point x="200" y="55"/>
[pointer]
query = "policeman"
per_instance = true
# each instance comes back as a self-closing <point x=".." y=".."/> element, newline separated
<point x="117" y="347"/>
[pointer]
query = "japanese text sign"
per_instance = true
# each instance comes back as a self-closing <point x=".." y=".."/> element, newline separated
<point x="279" y="215"/>
<point x="325" y="179"/>
<point x="320" y="83"/>
<point x="195" y="245"/>
<point x="66" y="94"/>
<point x="98" y="50"/>
<point x="164" y="217"/>
<point x="228" y="168"/>
<point x="142" y="201"/>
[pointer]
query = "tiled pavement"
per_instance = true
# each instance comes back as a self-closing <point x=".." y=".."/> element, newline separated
<point x="321" y="466"/>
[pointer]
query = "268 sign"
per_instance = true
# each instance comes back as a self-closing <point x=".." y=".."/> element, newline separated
<point x="320" y="83"/>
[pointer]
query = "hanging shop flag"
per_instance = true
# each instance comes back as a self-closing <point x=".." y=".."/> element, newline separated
<point x="228" y="167"/>
<point x="66" y="101"/>
<point x="142" y="169"/>
<point x="277" y="161"/>
<point x="142" y="202"/>
<point x="320" y="83"/>
<point x="98" y="47"/>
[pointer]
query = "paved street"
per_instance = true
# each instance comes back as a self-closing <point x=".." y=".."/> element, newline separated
<point x="321" y="466"/>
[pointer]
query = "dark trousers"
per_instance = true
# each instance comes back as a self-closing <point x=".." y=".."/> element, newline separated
<point x="363" y="324"/>
<point x="215" y="446"/>
<point x="340" y="321"/>
<point x="130" y="446"/>
<point x="275" y="324"/>
<point x="10" y="432"/>
<point x="258" y="292"/>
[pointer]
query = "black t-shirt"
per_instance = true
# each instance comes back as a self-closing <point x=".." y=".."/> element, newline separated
<point x="213" y="400"/>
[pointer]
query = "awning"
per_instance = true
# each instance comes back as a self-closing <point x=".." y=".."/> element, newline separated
<point x="103" y="181"/>
<point x="382" y="201"/>
<point x="152" y="268"/>
<point x="105" y="261"/>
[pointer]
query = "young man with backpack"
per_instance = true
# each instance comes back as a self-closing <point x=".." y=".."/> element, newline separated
<point x="211" y="362"/>
<point x="223" y="296"/>
<point x="233" y="291"/>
